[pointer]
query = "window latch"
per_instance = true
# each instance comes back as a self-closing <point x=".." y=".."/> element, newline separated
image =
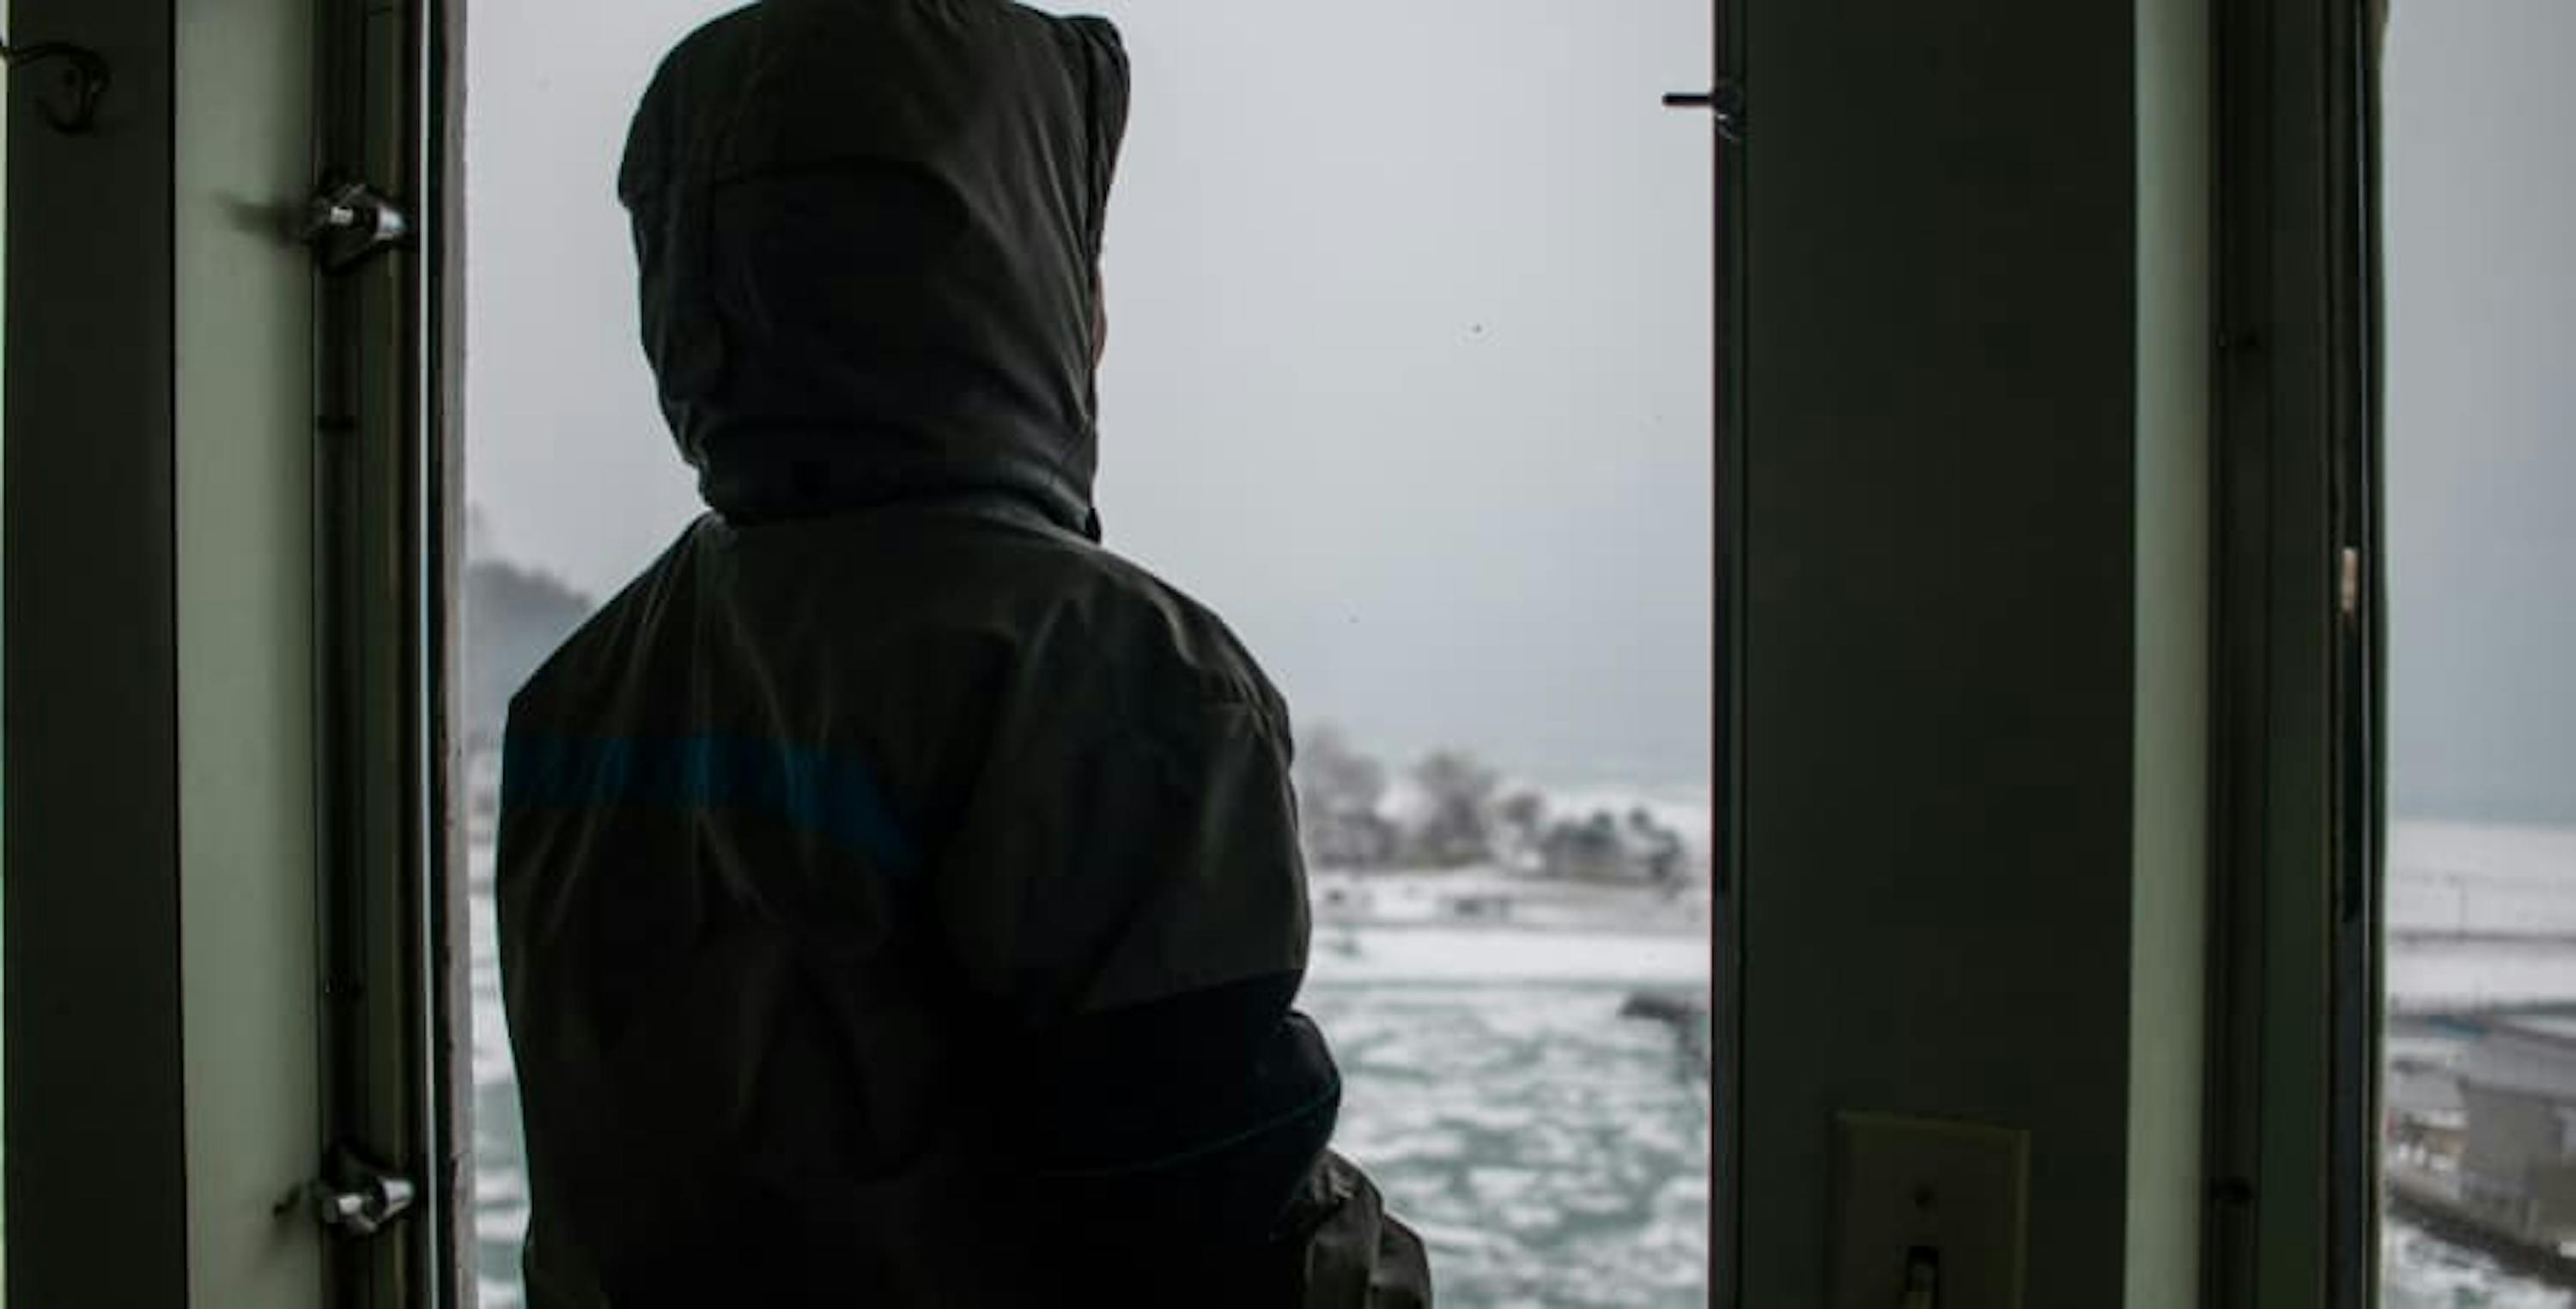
<point x="348" y="222"/>
<point x="356" y="1198"/>
<point x="1724" y="102"/>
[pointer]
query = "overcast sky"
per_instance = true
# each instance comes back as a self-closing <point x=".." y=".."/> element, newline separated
<point x="2480" y="184"/>
<point x="1409" y="365"/>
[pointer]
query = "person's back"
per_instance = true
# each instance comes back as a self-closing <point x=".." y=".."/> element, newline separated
<point x="900" y="900"/>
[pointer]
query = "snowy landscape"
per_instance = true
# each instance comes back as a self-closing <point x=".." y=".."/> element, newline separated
<point x="1525" y="1053"/>
<point x="1528" y="1065"/>
<point x="2481" y="969"/>
<point x="1515" y="979"/>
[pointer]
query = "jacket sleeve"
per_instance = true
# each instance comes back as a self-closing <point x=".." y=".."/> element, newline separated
<point x="1131" y="899"/>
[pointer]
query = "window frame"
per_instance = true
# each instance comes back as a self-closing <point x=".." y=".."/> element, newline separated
<point x="1726" y="850"/>
<point x="2295" y="996"/>
<point x="2296" y="768"/>
<point x="400" y="98"/>
<point x="389" y="357"/>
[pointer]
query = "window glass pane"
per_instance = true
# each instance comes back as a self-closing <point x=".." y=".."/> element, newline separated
<point x="1408" y="377"/>
<point x="571" y="484"/>
<point x="2480" y="1084"/>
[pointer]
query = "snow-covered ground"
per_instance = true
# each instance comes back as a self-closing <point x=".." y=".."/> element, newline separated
<point x="2480" y="916"/>
<point x="2481" y="878"/>
<point x="1484" y="897"/>
<point x="2461" y="976"/>
<point x="1379" y="956"/>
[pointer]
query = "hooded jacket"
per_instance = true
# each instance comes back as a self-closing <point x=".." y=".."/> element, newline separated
<point x="900" y="899"/>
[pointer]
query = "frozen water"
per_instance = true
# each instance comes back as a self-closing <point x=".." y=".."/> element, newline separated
<point x="2419" y="1271"/>
<point x="1549" y="1152"/>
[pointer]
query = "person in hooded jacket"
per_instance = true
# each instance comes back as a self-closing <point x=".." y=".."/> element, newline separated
<point x="900" y="898"/>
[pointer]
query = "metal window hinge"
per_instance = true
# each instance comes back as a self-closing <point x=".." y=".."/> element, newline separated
<point x="1724" y="102"/>
<point x="348" y="222"/>
<point x="355" y="1197"/>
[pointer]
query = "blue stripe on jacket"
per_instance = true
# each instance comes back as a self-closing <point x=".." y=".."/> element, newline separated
<point x="811" y="792"/>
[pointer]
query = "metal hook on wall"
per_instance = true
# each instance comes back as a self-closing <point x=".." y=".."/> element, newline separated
<point x="85" y="78"/>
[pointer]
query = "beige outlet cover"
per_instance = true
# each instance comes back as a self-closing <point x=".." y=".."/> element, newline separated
<point x="1904" y="1184"/>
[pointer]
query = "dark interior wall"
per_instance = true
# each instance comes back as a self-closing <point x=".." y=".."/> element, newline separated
<point x="96" y="1205"/>
<point x="1939" y="607"/>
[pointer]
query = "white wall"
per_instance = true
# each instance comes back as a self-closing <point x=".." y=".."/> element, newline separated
<point x="244" y="398"/>
<point x="2169" y="844"/>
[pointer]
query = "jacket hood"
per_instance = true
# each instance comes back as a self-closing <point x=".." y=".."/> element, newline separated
<point x="869" y="234"/>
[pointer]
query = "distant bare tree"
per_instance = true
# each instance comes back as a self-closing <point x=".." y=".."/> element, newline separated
<point x="1607" y="848"/>
<point x="1655" y="851"/>
<point x="1522" y="817"/>
<point x="1457" y="821"/>
<point x="514" y="617"/>
<point x="1339" y="793"/>
<point x="1587" y="850"/>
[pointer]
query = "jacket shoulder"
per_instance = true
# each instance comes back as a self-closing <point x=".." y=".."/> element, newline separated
<point x="1119" y="619"/>
<point x="1136" y="617"/>
<point x="597" y="655"/>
